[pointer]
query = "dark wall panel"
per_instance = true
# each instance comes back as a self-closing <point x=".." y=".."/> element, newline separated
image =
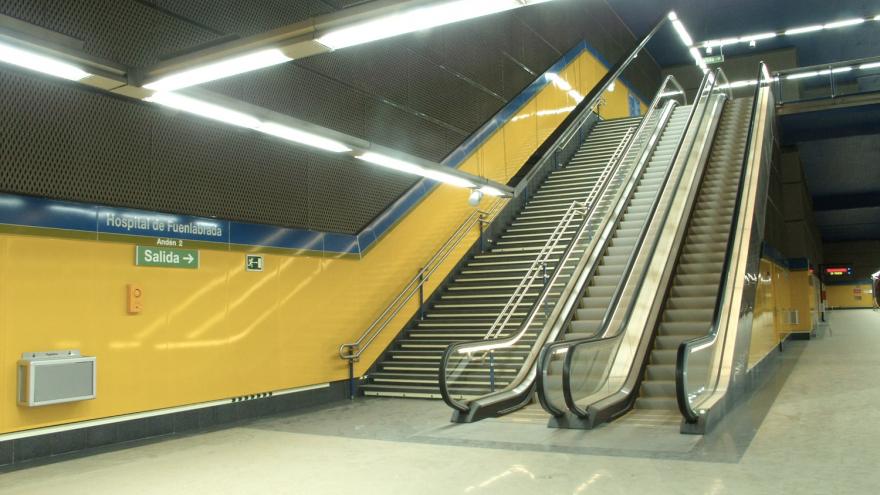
<point x="423" y="94"/>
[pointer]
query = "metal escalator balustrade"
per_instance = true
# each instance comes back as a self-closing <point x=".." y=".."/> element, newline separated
<point x="467" y="308"/>
<point x="582" y="380"/>
<point x="705" y="350"/>
<point x="460" y="358"/>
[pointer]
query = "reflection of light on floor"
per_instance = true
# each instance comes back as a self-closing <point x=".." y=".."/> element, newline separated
<point x="517" y="469"/>
<point x="586" y="484"/>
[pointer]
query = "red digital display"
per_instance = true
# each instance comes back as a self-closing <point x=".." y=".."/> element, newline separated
<point x="838" y="271"/>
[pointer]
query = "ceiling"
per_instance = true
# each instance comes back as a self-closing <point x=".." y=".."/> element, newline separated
<point x="843" y="177"/>
<point x="726" y="18"/>
<point x="421" y="94"/>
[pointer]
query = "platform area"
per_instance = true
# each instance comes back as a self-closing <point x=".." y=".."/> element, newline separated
<point x="809" y="430"/>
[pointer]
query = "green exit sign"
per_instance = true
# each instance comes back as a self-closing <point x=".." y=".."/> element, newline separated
<point x="166" y="257"/>
<point x="714" y="59"/>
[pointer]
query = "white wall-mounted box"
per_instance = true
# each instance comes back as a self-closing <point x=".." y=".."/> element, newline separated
<point x="56" y="377"/>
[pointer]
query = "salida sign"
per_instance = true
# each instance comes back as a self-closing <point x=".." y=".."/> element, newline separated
<point x="166" y="257"/>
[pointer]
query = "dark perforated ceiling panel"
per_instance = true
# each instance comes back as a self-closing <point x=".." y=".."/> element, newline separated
<point x="423" y="94"/>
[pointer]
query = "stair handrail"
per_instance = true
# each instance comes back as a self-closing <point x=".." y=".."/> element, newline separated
<point x="415" y="285"/>
<point x="707" y="86"/>
<point x="489" y="343"/>
<point x="684" y="349"/>
<point x="670" y="88"/>
<point x="539" y="265"/>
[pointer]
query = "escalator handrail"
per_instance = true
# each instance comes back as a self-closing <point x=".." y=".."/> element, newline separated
<point x="681" y="361"/>
<point x="710" y="81"/>
<point x="617" y="161"/>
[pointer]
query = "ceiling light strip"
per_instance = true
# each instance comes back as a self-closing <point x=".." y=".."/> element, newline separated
<point x="321" y="35"/>
<point x="787" y="32"/>
<point x="37" y="62"/>
<point x="229" y="116"/>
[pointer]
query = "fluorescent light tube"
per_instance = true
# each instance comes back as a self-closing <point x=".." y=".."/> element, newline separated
<point x="36" y="62"/>
<point x="741" y="84"/>
<point x="416" y="20"/>
<point x="695" y="52"/>
<point x="411" y="168"/>
<point x="219" y="70"/>
<point x="844" y="23"/>
<point x="802" y="75"/>
<point x="759" y="36"/>
<point x="302" y="137"/>
<point x="872" y="65"/>
<point x="682" y="33"/>
<point x="805" y="29"/>
<point x="204" y="109"/>
<point x="491" y="191"/>
<point x="841" y="69"/>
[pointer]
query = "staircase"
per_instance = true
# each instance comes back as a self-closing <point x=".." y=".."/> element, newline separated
<point x="689" y="307"/>
<point x="468" y="306"/>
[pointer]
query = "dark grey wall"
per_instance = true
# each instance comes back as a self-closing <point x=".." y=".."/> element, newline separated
<point x="422" y="93"/>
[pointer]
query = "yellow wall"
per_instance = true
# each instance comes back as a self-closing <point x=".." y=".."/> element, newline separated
<point x="843" y="296"/>
<point x="219" y="331"/>
<point x="779" y="291"/>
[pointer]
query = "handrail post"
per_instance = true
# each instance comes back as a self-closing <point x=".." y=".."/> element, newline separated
<point x="482" y="222"/>
<point x="831" y="80"/>
<point x="492" y="371"/>
<point x="421" y="293"/>
<point x="544" y="282"/>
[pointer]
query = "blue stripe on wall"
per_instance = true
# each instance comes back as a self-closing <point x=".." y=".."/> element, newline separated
<point x="28" y="211"/>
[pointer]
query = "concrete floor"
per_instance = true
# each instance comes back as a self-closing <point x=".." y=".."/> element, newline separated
<point x="811" y="429"/>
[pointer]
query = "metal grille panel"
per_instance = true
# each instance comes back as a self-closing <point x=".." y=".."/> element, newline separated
<point x="422" y="94"/>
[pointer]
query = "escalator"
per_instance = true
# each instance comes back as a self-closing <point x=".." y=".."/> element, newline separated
<point x="671" y="344"/>
<point x="689" y="307"/>
<point x="468" y="306"/>
<point x="640" y="177"/>
<point x="597" y="297"/>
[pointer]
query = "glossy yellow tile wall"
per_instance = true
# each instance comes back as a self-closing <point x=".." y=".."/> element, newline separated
<point x="802" y="292"/>
<point x="849" y="296"/>
<point x="780" y="291"/>
<point x="764" y="337"/>
<point x="220" y="331"/>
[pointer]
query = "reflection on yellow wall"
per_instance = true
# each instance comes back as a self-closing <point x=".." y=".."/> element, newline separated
<point x="220" y="331"/>
<point x="849" y="296"/>
<point x="781" y="292"/>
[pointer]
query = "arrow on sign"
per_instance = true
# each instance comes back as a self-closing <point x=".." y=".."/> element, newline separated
<point x="189" y="258"/>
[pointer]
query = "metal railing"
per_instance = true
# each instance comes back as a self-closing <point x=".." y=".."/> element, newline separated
<point x="684" y="395"/>
<point x="826" y="81"/>
<point x="606" y="336"/>
<point x="539" y="265"/>
<point x="352" y="351"/>
<point x="669" y="89"/>
<point x="536" y="271"/>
